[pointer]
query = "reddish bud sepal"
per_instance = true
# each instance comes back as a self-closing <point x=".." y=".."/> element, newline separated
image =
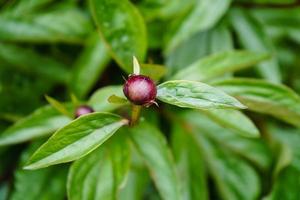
<point x="140" y="90"/>
<point x="82" y="110"/>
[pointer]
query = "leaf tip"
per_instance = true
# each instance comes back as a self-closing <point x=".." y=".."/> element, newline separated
<point x="136" y="66"/>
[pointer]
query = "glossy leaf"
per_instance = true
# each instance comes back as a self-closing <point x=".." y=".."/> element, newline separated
<point x="123" y="29"/>
<point x="65" y="24"/>
<point x="192" y="94"/>
<point x="89" y="66"/>
<point x="205" y="14"/>
<point x="265" y="97"/>
<point x="42" y="122"/>
<point x="76" y="139"/>
<point x="99" y="100"/>
<point x="219" y="64"/>
<point x="152" y="147"/>
<point x="252" y="36"/>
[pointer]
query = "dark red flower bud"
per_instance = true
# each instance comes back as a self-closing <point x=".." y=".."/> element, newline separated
<point x="82" y="110"/>
<point x="140" y="90"/>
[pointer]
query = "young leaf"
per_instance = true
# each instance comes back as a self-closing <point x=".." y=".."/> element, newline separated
<point x="155" y="72"/>
<point x="89" y="66"/>
<point x="99" y="100"/>
<point x="76" y="139"/>
<point x="153" y="148"/>
<point x="205" y="14"/>
<point x="116" y="99"/>
<point x="192" y="94"/>
<point x="219" y="64"/>
<point x="252" y="36"/>
<point x="41" y="122"/>
<point x="123" y="29"/>
<point x="59" y="106"/>
<point x="265" y="97"/>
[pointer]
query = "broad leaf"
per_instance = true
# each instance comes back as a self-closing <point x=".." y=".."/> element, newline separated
<point x="190" y="165"/>
<point x="100" y="174"/>
<point x="252" y="36"/>
<point x="252" y="149"/>
<point x="219" y="64"/>
<point x="204" y="15"/>
<point x="153" y="148"/>
<point x="89" y="66"/>
<point x="123" y="29"/>
<point x="99" y="100"/>
<point x="265" y="97"/>
<point x="76" y="139"/>
<point x="192" y="94"/>
<point x="42" y="122"/>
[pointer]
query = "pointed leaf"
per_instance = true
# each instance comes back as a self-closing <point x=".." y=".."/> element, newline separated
<point x="59" y="106"/>
<point x="76" y="139"/>
<point x="123" y="29"/>
<point x="219" y="64"/>
<point x="265" y="97"/>
<point x="191" y="94"/>
<point x="153" y="149"/>
<point x="41" y="122"/>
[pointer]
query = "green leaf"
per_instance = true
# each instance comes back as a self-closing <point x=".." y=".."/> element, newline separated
<point x="99" y="100"/>
<point x="153" y="148"/>
<point x="253" y="150"/>
<point x="234" y="178"/>
<point x="32" y="62"/>
<point x="155" y="72"/>
<point x="65" y="24"/>
<point x="91" y="177"/>
<point x="190" y="164"/>
<point x="252" y="36"/>
<point x="219" y="64"/>
<point x="100" y="174"/>
<point x="191" y="94"/>
<point x="233" y="119"/>
<point x="123" y="29"/>
<point x="205" y="14"/>
<point x="215" y="40"/>
<point x="76" y="139"/>
<point x="41" y="122"/>
<point x="41" y="184"/>
<point x="59" y="106"/>
<point x="89" y="66"/>
<point x="265" y="97"/>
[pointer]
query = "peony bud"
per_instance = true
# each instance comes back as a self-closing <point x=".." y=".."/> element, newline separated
<point x="140" y="90"/>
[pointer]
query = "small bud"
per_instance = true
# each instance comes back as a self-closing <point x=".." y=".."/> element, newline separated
<point x="82" y="110"/>
<point x="140" y="90"/>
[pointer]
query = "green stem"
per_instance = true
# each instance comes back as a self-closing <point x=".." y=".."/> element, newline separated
<point x="135" y="114"/>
